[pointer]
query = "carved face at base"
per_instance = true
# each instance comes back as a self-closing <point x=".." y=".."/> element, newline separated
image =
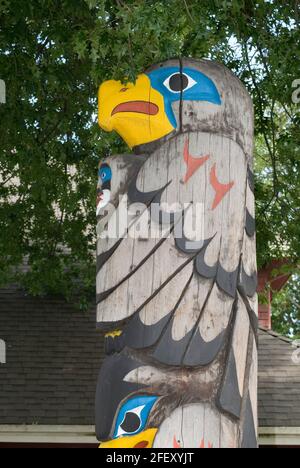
<point x="125" y="409"/>
<point x="140" y="406"/>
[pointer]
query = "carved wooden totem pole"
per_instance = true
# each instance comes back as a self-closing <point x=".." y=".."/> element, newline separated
<point x="178" y="303"/>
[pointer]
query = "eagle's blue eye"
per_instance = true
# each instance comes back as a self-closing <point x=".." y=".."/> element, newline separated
<point x="133" y="415"/>
<point x="178" y="82"/>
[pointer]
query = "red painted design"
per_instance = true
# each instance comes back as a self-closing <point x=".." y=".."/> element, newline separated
<point x="192" y="163"/>
<point x="220" y="189"/>
<point x="99" y="198"/>
<point x="202" y="444"/>
<point x="176" y="444"/>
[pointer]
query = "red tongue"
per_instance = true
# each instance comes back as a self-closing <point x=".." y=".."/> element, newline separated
<point x="141" y="107"/>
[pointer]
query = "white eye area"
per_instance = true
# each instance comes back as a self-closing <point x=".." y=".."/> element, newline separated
<point x="135" y="411"/>
<point x="179" y="82"/>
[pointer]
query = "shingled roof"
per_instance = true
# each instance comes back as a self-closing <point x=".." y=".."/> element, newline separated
<point x="52" y="362"/>
<point x="279" y="381"/>
<point x="54" y="354"/>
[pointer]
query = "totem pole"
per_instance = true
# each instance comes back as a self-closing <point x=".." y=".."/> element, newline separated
<point x="178" y="305"/>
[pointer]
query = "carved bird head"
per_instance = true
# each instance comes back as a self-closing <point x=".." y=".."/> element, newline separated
<point x="148" y="110"/>
<point x="172" y="97"/>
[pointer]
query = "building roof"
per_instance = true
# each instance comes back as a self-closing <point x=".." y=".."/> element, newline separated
<point x="54" y="354"/>
<point x="279" y="381"/>
<point x="53" y="358"/>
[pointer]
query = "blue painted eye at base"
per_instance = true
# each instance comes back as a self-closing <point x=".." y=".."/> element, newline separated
<point x="105" y="173"/>
<point x="133" y="415"/>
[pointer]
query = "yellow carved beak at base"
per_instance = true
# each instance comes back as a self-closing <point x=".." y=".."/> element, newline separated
<point x="143" y="440"/>
<point x="135" y="111"/>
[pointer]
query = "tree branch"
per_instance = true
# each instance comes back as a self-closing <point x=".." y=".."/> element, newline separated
<point x="55" y="127"/>
<point x="121" y="5"/>
<point x="264" y="62"/>
<point x="7" y="180"/>
<point x="188" y="11"/>
<point x="271" y="150"/>
<point x="42" y="46"/>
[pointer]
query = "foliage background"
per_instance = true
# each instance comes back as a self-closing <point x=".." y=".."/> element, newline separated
<point x="53" y="56"/>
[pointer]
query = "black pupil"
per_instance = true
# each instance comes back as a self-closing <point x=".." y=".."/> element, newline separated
<point x="131" y="423"/>
<point x="178" y="82"/>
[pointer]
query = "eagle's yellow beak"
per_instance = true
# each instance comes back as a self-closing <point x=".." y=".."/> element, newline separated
<point x="135" y="111"/>
<point x="143" y="440"/>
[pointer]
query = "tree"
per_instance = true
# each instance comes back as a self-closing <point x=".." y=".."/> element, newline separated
<point x="286" y="309"/>
<point x="53" y="56"/>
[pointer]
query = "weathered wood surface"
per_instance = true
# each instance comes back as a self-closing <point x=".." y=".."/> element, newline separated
<point x="205" y="420"/>
<point x="186" y="307"/>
